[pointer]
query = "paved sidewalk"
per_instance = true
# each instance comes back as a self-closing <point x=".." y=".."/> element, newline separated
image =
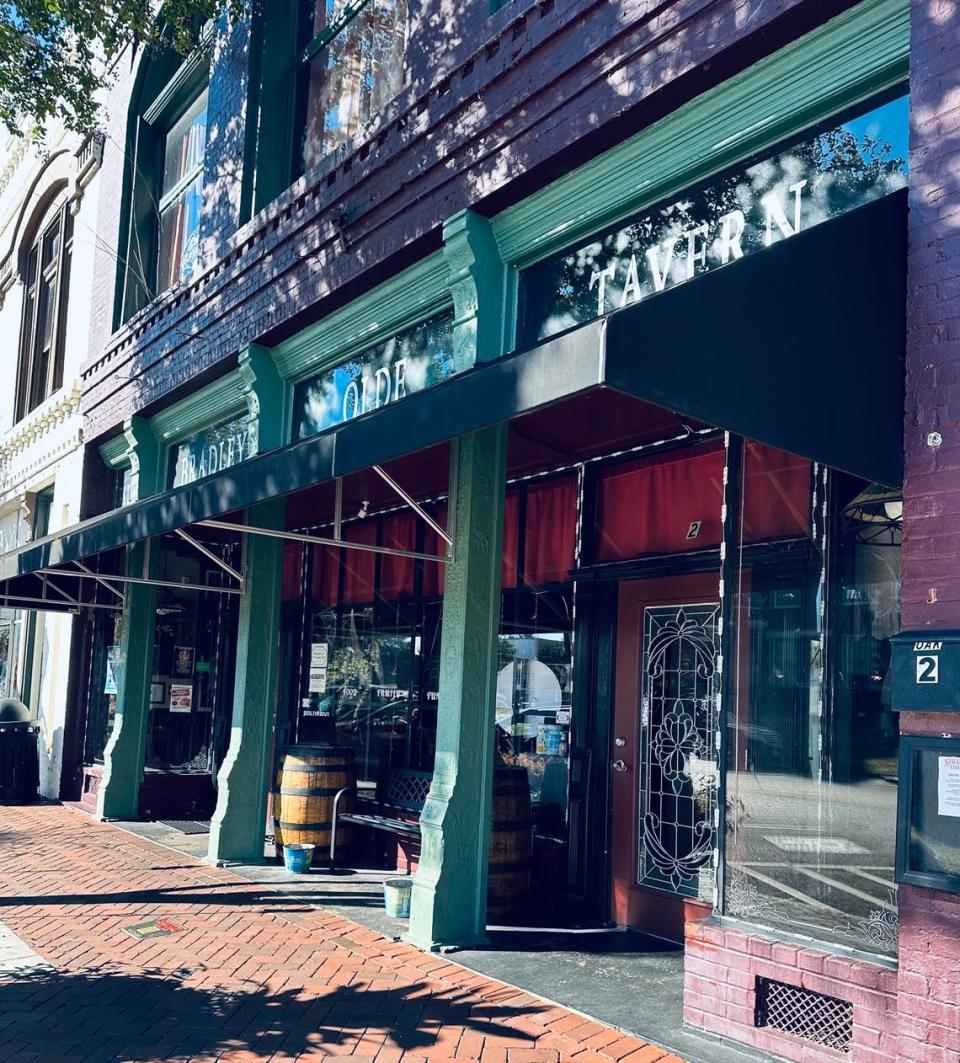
<point x="246" y="974"/>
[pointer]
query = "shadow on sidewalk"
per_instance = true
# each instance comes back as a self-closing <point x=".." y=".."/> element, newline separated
<point x="146" y="1016"/>
<point x="269" y="898"/>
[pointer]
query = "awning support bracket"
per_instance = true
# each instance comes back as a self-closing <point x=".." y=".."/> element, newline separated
<point x="48" y="583"/>
<point x="415" y="506"/>
<point x="210" y="555"/>
<point x="319" y="540"/>
<point x="95" y="575"/>
<point x="142" y="581"/>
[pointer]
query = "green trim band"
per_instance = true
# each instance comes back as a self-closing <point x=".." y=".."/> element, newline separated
<point x="220" y="401"/>
<point x="846" y="61"/>
<point x="116" y="452"/>
<point x="407" y="299"/>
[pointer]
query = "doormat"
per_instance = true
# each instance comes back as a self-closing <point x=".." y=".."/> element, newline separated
<point x="156" y="928"/>
<point x="187" y="826"/>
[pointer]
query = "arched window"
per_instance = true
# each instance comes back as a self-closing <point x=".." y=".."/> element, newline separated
<point x="45" y="270"/>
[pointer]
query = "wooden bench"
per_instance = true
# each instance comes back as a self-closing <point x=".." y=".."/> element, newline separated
<point x="399" y="791"/>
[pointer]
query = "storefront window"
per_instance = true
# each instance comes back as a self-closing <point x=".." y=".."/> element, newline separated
<point x="738" y="213"/>
<point x="8" y="652"/>
<point x="534" y="688"/>
<point x="194" y="653"/>
<point x="102" y="689"/>
<point x="811" y="735"/>
<point x="377" y="690"/>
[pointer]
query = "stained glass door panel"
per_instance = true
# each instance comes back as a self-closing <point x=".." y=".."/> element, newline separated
<point x="677" y="792"/>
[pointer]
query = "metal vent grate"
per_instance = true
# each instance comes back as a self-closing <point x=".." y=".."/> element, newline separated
<point x="813" y="1016"/>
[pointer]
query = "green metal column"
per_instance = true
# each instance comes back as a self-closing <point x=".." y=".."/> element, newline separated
<point x="123" y="758"/>
<point x="450" y="889"/>
<point x="237" y="828"/>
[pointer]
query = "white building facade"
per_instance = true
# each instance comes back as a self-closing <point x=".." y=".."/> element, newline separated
<point x="48" y="219"/>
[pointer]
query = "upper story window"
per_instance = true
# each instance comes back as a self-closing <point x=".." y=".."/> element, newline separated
<point x="46" y="274"/>
<point x="351" y="67"/>
<point x="181" y="194"/>
<point x="163" y="194"/>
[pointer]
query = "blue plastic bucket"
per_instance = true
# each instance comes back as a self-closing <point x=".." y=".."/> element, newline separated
<point x="297" y="858"/>
<point x="396" y="897"/>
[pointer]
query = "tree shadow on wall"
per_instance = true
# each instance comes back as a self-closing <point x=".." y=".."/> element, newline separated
<point x="154" y="1015"/>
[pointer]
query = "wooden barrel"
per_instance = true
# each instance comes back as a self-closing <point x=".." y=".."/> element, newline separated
<point x="308" y="779"/>
<point x="511" y="843"/>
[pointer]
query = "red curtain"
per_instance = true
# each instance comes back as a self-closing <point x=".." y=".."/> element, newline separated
<point x="433" y="571"/>
<point x="551" y="530"/>
<point x="396" y="573"/>
<point x="776" y="494"/>
<point x="326" y="575"/>
<point x="359" y="566"/>
<point x="651" y="506"/>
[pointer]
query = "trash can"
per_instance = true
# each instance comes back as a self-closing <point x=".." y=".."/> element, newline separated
<point x="19" y="754"/>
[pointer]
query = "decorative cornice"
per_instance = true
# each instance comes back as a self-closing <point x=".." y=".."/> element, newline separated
<point x="42" y="438"/>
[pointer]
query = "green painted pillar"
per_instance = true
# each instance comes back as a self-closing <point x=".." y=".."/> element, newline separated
<point x="119" y="793"/>
<point x="237" y="828"/>
<point x="123" y="758"/>
<point x="449" y="902"/>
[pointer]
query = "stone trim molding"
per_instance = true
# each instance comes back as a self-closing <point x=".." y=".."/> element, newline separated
<point x="41" y="439"/>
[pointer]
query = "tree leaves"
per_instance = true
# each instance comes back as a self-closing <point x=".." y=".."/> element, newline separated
<point x="57" y="56"/>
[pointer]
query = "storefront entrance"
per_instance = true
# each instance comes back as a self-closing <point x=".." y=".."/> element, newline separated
<point x="663" y="756"/>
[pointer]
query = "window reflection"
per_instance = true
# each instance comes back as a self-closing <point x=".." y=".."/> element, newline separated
<point x="730" y="215"/>
<point x="356" y="73"/>
<point x="533" y="716"/>
<point x="181" y="195"/>
<point x="812" y="738"/>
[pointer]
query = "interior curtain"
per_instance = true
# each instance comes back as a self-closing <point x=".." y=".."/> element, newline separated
<point x="661" y="506"/>
<point x="551" y="529"/>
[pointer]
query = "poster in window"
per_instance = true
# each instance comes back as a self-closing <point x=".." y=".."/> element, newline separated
<point x="318" y="667"/>
<point x="183" y="660"/>
<point x="948" y="786"/>
<point x="112" y="680"/>
<point x="181" y="697"/>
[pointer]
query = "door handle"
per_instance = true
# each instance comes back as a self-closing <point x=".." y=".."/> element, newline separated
<point x="621" y="766"/>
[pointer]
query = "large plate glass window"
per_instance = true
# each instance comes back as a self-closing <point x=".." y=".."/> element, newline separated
<point x="181" y="194"/>
<point x="351" y="67"/>
<point x="811" y="734"/>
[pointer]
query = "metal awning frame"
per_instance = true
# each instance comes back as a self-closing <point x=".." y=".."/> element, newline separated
<point x="337" y="539"/>
<point x="80" y="571"/>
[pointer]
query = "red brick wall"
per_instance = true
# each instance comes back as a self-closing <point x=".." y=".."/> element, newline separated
<point x="929" y="975"/>
<point x="721" y="967"/>
<point x="929" y="978"/>
<point x="931" y="552"/>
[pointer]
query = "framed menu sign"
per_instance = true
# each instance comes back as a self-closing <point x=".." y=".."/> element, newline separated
<point x="928" y="814"/>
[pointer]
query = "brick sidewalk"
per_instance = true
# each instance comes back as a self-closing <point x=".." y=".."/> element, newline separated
<point x="252" y="975"/>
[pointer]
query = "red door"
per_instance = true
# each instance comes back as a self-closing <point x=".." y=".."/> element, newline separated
<point x="663" y="759"/>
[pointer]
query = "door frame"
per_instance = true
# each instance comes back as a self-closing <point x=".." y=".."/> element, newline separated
<point x="641" y="907"/>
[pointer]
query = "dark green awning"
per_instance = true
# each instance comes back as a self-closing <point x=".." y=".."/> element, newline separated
<point x="800" y="346"/>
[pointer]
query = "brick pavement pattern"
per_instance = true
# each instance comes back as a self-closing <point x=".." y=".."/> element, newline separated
<point x="252" y="975"/>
